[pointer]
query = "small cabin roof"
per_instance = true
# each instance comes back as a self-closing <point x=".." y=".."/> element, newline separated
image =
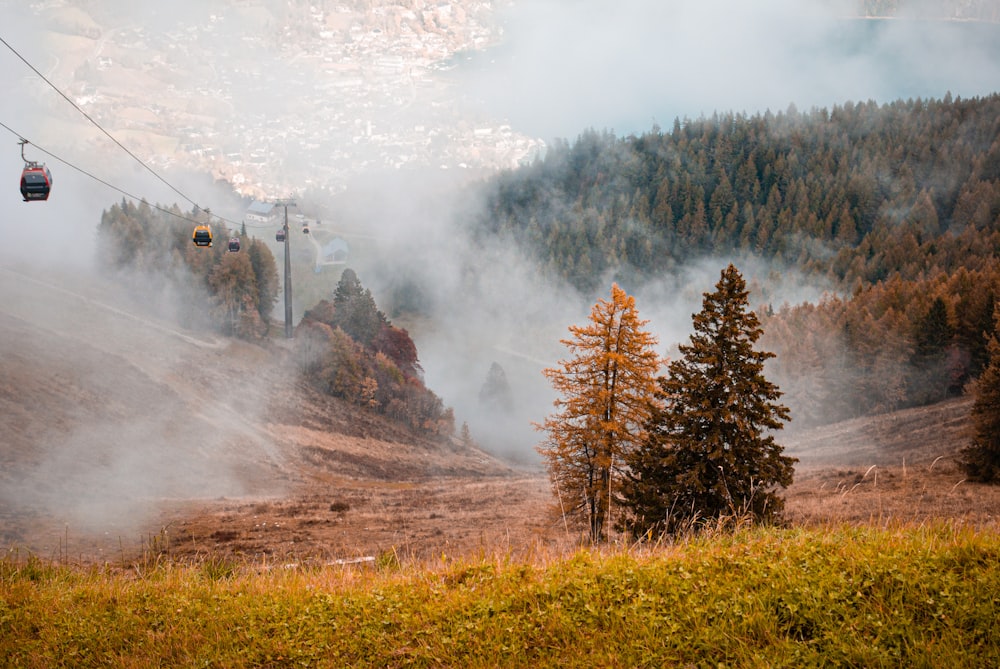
<point x="262" y="208"/>
<point x="336" y="244"/>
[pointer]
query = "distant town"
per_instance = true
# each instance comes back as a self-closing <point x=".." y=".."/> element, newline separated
<point x="283" y="98"/>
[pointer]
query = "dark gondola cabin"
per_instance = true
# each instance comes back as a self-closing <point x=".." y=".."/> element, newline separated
<point x="305" y="229"/>
<point x="279" y="236"/>
<point x="234" y="244"/>
<point x="202" y="235"/>
<point x="36" y="182"/>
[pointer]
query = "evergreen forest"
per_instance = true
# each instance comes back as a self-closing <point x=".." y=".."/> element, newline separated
<point x="893" y="208"/>
<point x="150" y="248"/>
<point x="344" y="347"/>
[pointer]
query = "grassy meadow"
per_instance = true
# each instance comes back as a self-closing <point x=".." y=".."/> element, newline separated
<point x="915" y="596"/>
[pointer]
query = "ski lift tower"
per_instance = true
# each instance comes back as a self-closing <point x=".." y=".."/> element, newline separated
<point x="288" y="268"/>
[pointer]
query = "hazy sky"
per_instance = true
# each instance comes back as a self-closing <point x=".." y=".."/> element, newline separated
<point x="567" y="65"/>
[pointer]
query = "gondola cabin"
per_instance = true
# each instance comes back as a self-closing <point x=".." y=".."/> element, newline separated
<point x="36" y="182"/>
<point x="305" y="229"/>
<point x="279" y="236"/>
<point x="234" y="244"/>
<point x="202" y="235"/>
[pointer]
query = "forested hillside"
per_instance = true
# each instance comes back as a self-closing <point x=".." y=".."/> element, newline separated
<point x="344" y="347"/>
<point x="896" y="207"/>
<point x="151" y="248"/>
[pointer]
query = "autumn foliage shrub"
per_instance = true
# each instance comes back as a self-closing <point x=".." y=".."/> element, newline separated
<point x="347" y="348"/>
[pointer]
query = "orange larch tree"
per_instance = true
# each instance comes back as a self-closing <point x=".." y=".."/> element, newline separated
<point x="607" y="394"/>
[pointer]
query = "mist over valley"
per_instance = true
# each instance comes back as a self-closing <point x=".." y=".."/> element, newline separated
<point x="471" y="157"/>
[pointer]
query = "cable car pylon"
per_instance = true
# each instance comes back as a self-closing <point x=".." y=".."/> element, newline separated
<point x="286" y="203"/>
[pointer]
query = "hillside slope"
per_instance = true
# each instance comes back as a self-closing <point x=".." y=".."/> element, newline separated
<point x="898" y="467"/>
<point x="121" y="433"/>
<point x="116" y="422"/>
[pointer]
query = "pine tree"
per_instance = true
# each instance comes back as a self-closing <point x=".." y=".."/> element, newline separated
<point x="932" y="336"/>
<point x="265" y="272"/>
<point x="355" y="311"/>
<point x="933" y="332"/>
<point x="465" y="437"/>
<point x="233" y="283"/>
<point x="707" y="455"/>
<point x="981" y="458"/>
<point x="607" y="392"/>
<point x="495" y="393"/>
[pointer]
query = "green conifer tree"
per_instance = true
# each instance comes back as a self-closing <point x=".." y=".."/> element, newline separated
<point x="354" y="309"/>
<point x="708" y="453"/>
<point x="495" y="393"/>
<point x="932" y="335"/>
<point x="981" y="458"/>
<point x="265" y="272"/>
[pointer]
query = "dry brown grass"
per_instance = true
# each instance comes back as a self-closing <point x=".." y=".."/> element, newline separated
<point x="416" y="520"/>
<point x="897" y="468"/>
<point x="893" y="494"/>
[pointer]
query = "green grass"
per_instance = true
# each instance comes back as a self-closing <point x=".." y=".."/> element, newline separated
<point x="862" y="597"/>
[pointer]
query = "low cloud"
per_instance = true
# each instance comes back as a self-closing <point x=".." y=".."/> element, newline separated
<point x="565" y="66"/>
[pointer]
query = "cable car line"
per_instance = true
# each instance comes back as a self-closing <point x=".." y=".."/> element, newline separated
<point x="98" y="125"/>
<point x="100" y="180"/>
<point x="109" y="136"/>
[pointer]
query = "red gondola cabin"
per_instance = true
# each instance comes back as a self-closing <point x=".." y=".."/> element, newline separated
<point x="36" y="182"/>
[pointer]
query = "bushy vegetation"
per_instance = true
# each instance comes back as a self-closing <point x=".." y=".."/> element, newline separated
<point x="891" y="206"/>
<point x="911" y="596"/>
<point x="152" y="248"/>
<point x="347" y="348"/>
